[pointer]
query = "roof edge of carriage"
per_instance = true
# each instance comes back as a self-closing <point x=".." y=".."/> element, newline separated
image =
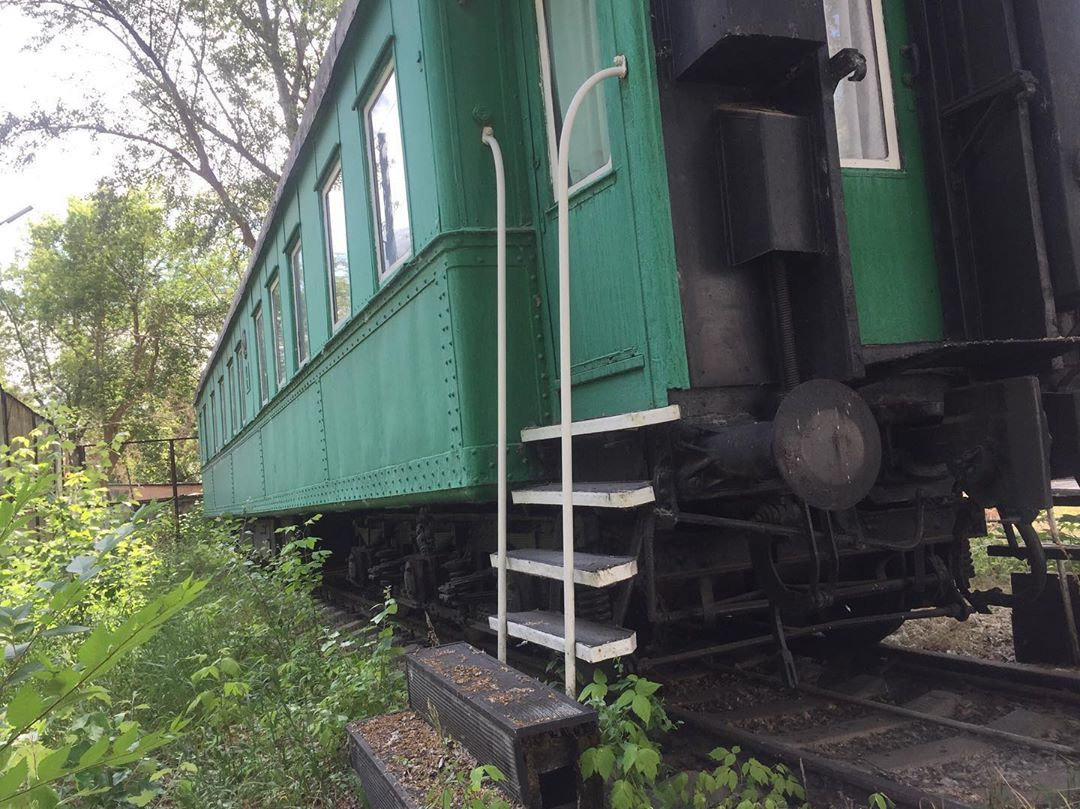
<point x="346" y="17"/>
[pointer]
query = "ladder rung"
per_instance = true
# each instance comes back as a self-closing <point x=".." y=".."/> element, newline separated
<point x="590" y="569"/>
<point x="594" y="642"/>
<point x="625" y="494"/>
<point x="605" y="424"/>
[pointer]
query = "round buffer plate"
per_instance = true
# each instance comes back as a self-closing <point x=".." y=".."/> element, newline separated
<point x="826" y="444"/>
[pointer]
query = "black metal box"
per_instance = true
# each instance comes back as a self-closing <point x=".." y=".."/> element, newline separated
<point x="742" y="41"/>
<point x="531" y="732"/>
<point x="1040" y="633"/>
<point x="381" y="788"/>
<point x="767" y="178"/>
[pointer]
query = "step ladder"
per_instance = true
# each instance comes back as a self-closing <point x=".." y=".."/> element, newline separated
<point x="583" y="640"/>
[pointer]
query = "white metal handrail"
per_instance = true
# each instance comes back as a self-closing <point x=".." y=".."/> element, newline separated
<point x="565" y="406"/>
<point x="488" y="138"/>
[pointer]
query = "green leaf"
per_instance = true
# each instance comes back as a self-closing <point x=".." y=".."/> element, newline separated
<point x="587" y="762"/>
<point x="65" y="629"/>
<point x="643" y="708"/>
<point x="605" y="761"/>
<point x="646" y="687"/>
<point x="648" y="761"/>
<point x="94" y="753"/>
<point x="12" y="778"/>
<point x="52" y="765"/>
<point x="85" y="567"/>
<point x="143" y="798"/>
<point x="622" y="795"/>
<point x="24" y="707"/>
<point x="42" y="797"/>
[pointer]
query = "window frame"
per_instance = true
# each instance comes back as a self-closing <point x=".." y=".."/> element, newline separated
<point x="243" y="382"/>
<point x="230" y="373"/>
<point x="221" y="410"/>
<point x="213" y="425"/>
<point x="329" y="178"/>
<point x="205" y="445"/>
<point x="547" y="87"/>
<point x="388" y="72"/>
<point x="260" y="353"/>
<point x="299" y="300"/>
<point x="277" y="329"/>
<point x="894" y="161"/>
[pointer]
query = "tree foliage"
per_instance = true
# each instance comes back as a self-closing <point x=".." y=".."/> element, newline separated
<point x="113" y="312"/>
<point x="217" y="88"/>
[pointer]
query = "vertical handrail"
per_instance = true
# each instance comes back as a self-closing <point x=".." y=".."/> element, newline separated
<point x="565" y="414"/>
<point x="488" y="137"/>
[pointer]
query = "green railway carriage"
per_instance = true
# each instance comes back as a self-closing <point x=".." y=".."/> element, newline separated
<point x="824" y="277"/>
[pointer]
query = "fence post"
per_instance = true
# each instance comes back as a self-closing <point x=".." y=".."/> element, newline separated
<point x="175" y="489"/>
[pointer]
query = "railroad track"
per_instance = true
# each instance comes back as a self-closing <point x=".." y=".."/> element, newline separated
<point x="927" y="730"/>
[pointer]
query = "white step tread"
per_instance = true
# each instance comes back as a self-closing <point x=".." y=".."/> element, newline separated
<point x="590" y="569"/>
<point x="605" y="424"/>
<point x="621" y="494"/>
<point x="594" y="642"/>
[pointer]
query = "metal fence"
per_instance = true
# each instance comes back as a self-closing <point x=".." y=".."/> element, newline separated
<point x="148" y="470"/>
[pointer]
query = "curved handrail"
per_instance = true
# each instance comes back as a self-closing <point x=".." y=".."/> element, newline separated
<point x="565" y="407"/>
<point x="488" y="137"/>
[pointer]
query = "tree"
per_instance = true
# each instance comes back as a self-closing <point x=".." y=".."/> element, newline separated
<point x="217" y="88"/>
<point x="114" y="311"/>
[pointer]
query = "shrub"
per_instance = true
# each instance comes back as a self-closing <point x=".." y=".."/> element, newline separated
<point x="68" y="617"/>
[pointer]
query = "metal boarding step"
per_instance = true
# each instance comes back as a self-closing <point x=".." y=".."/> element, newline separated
<point x="595" y="642"/>
<point x="620" y="494"/>
<point x="605" y="424"/>
<point x="590" y="569"/>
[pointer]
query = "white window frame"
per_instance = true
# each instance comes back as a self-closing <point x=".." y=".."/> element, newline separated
<point x="328" y="239"/>
<point x="549" y="108"/>
<point x="387" y="73"/>
<point x="888" y="102"/>
<point x="277" y="332"/>
<point x="301" y="325"/>
<point x="258" y="327"/>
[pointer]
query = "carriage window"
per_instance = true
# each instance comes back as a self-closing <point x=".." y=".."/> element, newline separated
<point x="243" y="383"/>
<point x="569" y="54"/>
<point x="212" y="446"/>
<point x="387" y="154"/>
<point x="202" y="431"/>
<point x="260" y="355"/>
<point x="232" y="394"/>
<point x="221" y="409"/>
<point x="865" y="115"/>
<point x="296" y="267"/>
<point x="277" y="328"/>
<point x="337" y="248"/>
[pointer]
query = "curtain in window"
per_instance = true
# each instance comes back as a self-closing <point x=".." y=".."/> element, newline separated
<point x="574" y="49"/>
<point x="860" y="112"/>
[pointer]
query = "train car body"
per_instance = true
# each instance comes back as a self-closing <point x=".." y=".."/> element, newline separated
<point x="825" y="265"/>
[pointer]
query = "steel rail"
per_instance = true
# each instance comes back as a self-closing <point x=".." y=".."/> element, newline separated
<point x="910" y="713"/>
<point x="798" y="758"/>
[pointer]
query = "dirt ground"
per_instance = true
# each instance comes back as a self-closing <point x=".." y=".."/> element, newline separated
<point x="986" y="636"/>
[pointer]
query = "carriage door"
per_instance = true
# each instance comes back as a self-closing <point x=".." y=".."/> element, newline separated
<point x="885" y="189"/>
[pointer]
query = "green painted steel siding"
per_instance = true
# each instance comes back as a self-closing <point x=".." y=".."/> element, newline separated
<point x="398" y="406"/>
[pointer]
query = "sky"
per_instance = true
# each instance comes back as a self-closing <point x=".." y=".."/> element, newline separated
<point x="65" y="168"/>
